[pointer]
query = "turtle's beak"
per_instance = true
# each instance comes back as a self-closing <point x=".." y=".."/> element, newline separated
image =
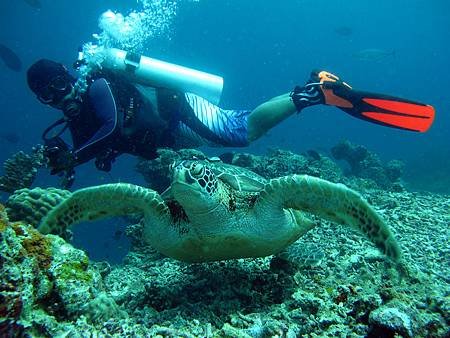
<point x="184" y="189"/>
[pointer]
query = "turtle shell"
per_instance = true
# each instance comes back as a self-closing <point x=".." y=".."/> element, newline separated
<point x="238" y="178"/>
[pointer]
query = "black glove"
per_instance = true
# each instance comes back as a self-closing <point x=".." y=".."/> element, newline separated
<point x="58" y="155"/>
<point x="68" y="179"/>
<point x="104" y="161"/>
<point x="59" y="160"/>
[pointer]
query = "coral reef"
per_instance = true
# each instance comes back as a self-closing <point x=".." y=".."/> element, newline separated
<point x="282" y="162"/>
<point x="386" y="321"/>
<point x="341" y="287"/>
<point x="20" y="170"/>
<point x="31" y="205"/>
<point x="45" y="283"/>
<point x="367" y="165"/>
<point x="275" y="163"/>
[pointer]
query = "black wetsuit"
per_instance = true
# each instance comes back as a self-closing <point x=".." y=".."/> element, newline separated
<point x="116" y="117"/>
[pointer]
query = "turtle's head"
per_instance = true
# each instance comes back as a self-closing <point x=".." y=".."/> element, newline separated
<point x="194" y="185"/>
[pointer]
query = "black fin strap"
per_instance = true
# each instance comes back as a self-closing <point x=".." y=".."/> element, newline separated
<point x="306" y="96"/>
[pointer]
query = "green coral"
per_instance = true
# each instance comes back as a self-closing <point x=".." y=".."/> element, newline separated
<point x="44" y="281"/>
<point x="3" y="218"/>
<point x="73" y="270"/>
<point x="31" y="205"/>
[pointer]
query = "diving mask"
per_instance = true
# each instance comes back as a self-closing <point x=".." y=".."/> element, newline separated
<point x="55" y="91"/>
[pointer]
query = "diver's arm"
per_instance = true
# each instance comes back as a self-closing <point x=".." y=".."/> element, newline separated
<point x="105" y="110"/>
<point x="93" y="146"/>
<point x="86" y="153"/>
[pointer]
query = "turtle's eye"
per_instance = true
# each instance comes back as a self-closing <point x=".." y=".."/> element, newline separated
<point x="197" y="169"/>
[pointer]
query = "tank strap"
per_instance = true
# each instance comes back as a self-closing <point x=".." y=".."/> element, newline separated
<point x="132" y="61"/>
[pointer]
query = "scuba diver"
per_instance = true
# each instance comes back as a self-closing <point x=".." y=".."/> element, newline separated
<point x="115" y="116"/>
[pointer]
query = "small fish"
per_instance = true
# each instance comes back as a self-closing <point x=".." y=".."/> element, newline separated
<point x="343" y="31"/>
<point x="10" y="58"/>
<point x="373" y="54"/>
<point x="10" y="137"/>
<point x="34" y="3"/>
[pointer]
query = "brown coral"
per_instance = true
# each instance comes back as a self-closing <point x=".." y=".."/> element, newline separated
<point x="3" y="218"/>
<point x="39" y="247"/>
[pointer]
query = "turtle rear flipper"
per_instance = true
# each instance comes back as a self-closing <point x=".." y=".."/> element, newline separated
<point x="334" y="202"/>
<point x="104" y="201"/>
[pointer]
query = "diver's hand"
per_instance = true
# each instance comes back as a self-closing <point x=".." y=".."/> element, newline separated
<point x="59" y="160"/>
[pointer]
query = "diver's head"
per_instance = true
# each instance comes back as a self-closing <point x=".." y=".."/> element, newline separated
<point x="51" y="82"/>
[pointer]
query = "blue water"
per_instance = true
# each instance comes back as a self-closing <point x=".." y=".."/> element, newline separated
<point x="262" y="49"/>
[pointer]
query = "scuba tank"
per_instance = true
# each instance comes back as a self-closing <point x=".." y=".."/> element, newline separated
<point x="156" y="73"/>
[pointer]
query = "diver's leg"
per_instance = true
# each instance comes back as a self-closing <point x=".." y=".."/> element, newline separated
<point x="269" y="114"/>
<point x="326" y="88"/>
<point x="280" y="97"/>
<point x="272" y="112"/>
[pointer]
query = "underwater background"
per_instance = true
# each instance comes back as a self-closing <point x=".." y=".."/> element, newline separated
<point x="262" y="49"/>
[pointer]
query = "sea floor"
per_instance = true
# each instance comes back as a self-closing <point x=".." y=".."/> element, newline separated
<point x="49" y="289"/>
<point x="352" y="292"/>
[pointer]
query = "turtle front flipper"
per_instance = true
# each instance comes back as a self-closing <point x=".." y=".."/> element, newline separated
<point x="331" y="201"/>
<point x="103" y="201"/>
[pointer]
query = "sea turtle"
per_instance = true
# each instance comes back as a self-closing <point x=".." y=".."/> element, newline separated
<point x="214" y="211"/>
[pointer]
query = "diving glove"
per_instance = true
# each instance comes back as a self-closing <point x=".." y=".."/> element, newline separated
<point x="59" y="159"/>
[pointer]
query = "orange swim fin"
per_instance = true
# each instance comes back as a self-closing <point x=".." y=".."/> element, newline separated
<point x="382" y="109"/>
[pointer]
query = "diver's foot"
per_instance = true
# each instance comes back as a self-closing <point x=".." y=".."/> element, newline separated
<point x="390" y="111"/>
<point x="308" y="95"/>
<point x="324" y="77"/>
<point x="318" y="90"/>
